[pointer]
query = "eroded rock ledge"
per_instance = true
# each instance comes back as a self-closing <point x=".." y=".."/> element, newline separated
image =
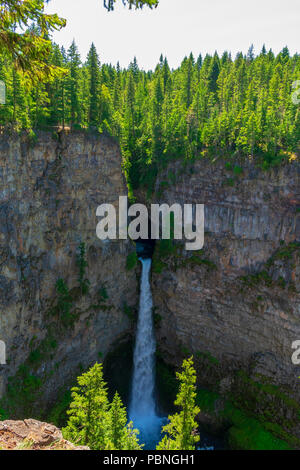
<point x="33" y="435"/>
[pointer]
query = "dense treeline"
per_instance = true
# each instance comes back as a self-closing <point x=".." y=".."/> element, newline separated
<point x="209" y="105"/>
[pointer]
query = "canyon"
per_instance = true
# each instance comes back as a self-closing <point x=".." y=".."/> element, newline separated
<point x="234" y="305"/>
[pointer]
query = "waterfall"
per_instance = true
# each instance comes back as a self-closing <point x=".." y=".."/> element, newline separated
<point x="142" y="407"/>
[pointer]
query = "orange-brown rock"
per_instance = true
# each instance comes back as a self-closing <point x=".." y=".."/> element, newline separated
<point x="33" y="435"/>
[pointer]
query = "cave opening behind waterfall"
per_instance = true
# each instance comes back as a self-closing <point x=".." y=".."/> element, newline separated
<point x="145" y="246"/>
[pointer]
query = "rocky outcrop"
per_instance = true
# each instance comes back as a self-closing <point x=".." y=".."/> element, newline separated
<point x="49" y="192"/>
<point x="33" y="435"/>
<point x="235" y="305"/>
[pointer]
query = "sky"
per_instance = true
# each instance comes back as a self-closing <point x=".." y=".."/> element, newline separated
<point x="176" y="28"/>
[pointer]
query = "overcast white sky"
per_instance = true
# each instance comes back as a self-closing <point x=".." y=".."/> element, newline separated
<point x="178" y="27"/>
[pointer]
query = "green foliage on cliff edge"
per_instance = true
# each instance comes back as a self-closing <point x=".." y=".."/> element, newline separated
<point x="181" y="431"/>
<point x="168" y="255"/>
<point x="251" y="408"/>
<point x="163" y="250"/>
<point x="248" y="429"/>
<point x="64" y="304"/>
<point x="22" y="393"/>
<point x="283" y="254"/>
<point x="245" y="433"/>
<point x="131" y="261"/>
<point x="248" y="433"/>
<point x="260" y="397"/>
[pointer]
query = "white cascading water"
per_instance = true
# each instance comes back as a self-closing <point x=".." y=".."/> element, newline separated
<point x="142" y="407"/>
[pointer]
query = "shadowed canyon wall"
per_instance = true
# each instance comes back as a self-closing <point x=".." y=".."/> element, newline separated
<point x="235" y="305"/>
<point x="49" y="193"/>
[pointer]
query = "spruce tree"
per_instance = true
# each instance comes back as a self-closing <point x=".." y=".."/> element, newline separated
<point x="94" y="83"/>
<point x="88" y="422"/>
<point x="57" y="91"/>
<point x="72" y="85"/>
<point x="121" y="436"/>
<point x="181" y="431"/>
<point x="214" y="73"/>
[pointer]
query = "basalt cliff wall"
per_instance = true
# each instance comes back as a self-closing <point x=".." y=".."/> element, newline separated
<point x="49" y="192"/>
<point x="235" y="305"/>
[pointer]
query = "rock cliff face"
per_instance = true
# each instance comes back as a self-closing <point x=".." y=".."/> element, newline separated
<point x="235" y="305"/>
<point x="49" y="193"/>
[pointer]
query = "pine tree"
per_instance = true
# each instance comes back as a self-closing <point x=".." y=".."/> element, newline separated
<point x="250" y="53"/>
<point x="28" y="47"/>
<point x="263" y="51"/>
<point x="93" y="421"/>
<point x="117" y="89"/>
<point x="105" y="109"/>
<point x="166" y="74"/>
<point x="19" y="101"/>
<point x="199" y="62"/>
<point x="72" y="85"/>
<point x="214" y="73"/>
<point x="94" y="83"/>
<point x="181" y="430"/>
<point x="188" y="81"/>
<point x="121" y="436"/>
<point x="57" y="91"/>
<point x="134" y="69"/>
<point x="88" y="422"/>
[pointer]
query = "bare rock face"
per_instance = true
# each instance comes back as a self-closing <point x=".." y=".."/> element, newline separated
<point x="31" y="434"/>
<point x="49" y="193"/>
<point x="236" y="305"/>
